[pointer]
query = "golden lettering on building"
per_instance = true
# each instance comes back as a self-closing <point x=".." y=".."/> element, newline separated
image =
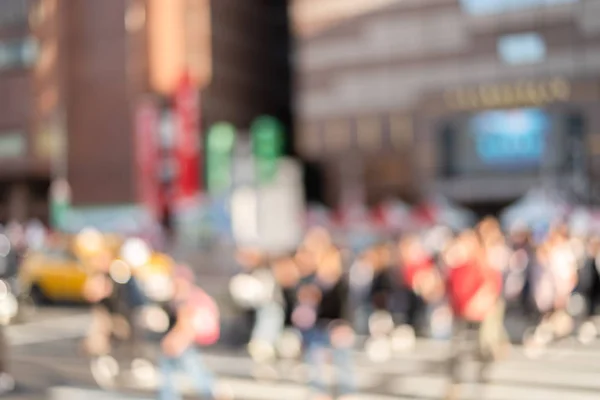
<point x="337" y="135"/>
<point x="560" y="88"/>
<point x="518" y="94"/>
<point x="369" y="132"/>
<point x="401" y="130"/>
<point x="507" y="96"/>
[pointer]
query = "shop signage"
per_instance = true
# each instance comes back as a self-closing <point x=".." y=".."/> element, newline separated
<point x="267" y="146"/>
<point x="519" y="94"/>
<point x="187" y="142"/>
<point x="219" y="157"/>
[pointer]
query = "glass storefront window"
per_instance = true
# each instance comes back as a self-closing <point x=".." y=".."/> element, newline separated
<point x="522" y="48"/>
<point x="20" y="53"/>
<point x="12" y="144"/>
<point x="14" y="12"/>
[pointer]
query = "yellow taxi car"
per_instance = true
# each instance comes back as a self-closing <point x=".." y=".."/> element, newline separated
<point x="58" y="273"/>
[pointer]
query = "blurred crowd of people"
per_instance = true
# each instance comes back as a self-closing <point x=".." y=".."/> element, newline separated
<point x="316" y="304"/>
<point x="438" y="282"/>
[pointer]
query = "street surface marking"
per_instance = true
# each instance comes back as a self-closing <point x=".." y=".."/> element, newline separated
<point x="69" y="327"/>
<point x="242" y="390"/>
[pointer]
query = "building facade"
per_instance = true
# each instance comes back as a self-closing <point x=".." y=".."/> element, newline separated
<point x="22" y="174"/>
<point x="476" y="100"/>
<point x="73" y="101"/>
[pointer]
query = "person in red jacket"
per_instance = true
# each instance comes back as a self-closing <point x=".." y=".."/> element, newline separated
<point x="474" y="289"/>
<point x="420" y="275"/>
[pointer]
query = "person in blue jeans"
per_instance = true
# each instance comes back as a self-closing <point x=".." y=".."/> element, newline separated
<point x="320" y="315"/>
<point x="179" y="352"/>
<point x="189" y="362"/>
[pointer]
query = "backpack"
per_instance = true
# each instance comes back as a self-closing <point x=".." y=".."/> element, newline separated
<point x="206" y="318"/>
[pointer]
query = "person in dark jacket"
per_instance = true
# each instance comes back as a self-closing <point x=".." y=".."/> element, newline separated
<point x="320" y="314"/>
<point x="117" y="301"/>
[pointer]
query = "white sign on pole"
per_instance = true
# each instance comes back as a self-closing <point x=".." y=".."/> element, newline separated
<point x="244" y="216"/>
<point x="282" y="209"/>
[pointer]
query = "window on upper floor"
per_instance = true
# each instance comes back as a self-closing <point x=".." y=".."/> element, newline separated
<point x="13" y="12"/>
<point x="489" y="7"/>
<point x="18" y="53"/>
<point x="12" y="144"/>
<point x="522" y="48"/>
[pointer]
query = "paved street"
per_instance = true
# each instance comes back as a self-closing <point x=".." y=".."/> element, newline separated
<point x="47" y="365"/>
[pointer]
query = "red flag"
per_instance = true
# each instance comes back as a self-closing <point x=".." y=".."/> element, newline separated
<point x="187" y="144"/>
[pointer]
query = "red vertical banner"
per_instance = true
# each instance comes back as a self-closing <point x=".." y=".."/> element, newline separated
<point x="147" y="157"/>
<point x="187" y="143"/>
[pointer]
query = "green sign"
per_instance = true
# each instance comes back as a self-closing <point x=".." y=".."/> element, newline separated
<point x="219" y="147"/>
<point x="60" y="203"/>
<point x="267" y="146"/>
<point x="58" y="214"/>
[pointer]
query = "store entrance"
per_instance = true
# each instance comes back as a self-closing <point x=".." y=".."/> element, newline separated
<point x="488" y="208"/>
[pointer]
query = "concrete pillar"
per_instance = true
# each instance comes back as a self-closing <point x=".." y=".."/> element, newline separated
<point x="18" y="202"/>
<point x="352" y="184"/>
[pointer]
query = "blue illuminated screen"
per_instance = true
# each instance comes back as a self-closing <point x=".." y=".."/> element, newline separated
<point x="512" y="137"/>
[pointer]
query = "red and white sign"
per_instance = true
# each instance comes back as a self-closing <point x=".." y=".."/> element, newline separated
<point x="147" y="157"/>
<point x="187" y="140"/>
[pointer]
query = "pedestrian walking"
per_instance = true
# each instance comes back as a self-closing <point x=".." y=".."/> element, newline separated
<point x="193" y="320"/>
<point x="474" y="289"/>
<point x="321" y="315"/>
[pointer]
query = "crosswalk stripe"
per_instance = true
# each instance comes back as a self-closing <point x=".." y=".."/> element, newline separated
<point x="69" y="327"/>
<point x="510" y="379"/>
<point x="433" y="387"/>
<point x="72" y="393"/>
<point x="241" y="389"/>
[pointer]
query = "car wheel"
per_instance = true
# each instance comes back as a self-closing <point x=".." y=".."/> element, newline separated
<point x="37" y="295"/>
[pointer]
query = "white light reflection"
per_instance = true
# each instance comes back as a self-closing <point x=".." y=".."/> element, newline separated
<point x="381" y="323"/>
<point x="136" y="252"/>
<point x="577" y="305"/>
<point x="4" y="245"/>
<point x="404" y="338"/>
<point x="155" y="319"/>
<point x="120" y="271"/>
<point x="246" y="290"/>
<point x="379" y="349"/>
<point x="261" y="351"/>
<point x="587" y="333"/>
<point x="290" y="344"/>
<point x="4" y="290"/>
